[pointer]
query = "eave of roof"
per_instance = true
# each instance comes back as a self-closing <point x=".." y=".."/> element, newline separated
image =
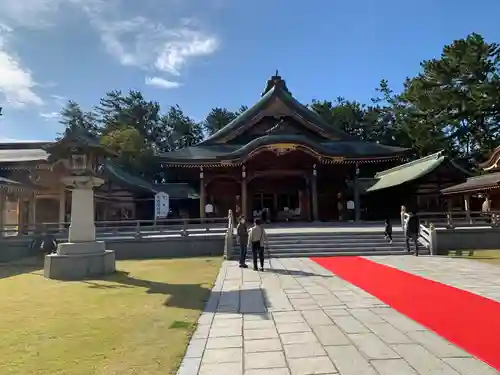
<point x="347" y="149"/>
<point x="23" y="155"/>
<point x="136" y="183"/>
<point x="475" y="184"/>
<point x="408" y="172"/>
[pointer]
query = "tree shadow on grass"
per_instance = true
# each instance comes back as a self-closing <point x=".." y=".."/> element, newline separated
<point x="185" y="296"/>
<point x="19" y="267"/>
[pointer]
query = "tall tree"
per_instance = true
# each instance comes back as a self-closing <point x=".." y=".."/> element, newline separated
<point x="458" y="95"/>
<point x="354" y="118"/>
<point x="220" y="117"/>
<point x="181" y="130"/>
<point x="130" y="146"/>
<point x="117" y="110"/>
<point x="72" y="117"/>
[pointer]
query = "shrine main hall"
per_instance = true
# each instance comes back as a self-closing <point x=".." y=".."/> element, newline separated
<point x="281" y="156"/>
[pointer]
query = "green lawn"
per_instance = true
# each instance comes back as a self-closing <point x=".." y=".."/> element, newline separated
<point x="137" y="321"/>
<point x="487" y="256"/>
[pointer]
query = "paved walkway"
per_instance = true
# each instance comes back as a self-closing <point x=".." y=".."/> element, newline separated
<point x="299" y="319"/>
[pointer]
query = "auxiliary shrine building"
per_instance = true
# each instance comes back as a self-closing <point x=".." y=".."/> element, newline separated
<point x="283" y="157"/>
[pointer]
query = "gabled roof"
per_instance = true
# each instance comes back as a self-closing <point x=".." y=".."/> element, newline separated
<point x="136" y="183"/>
<point x="478" y="183"/>
<point x="23" y="155"/>
<point x="410" y="171"/>
<point x="277" y="90"/>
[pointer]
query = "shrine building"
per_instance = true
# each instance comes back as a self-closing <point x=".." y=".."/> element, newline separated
<point x="282" y="156"/>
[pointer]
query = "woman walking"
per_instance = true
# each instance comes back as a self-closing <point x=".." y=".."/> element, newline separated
<point x="242" y="236"/>
<point x="257" y="239"/>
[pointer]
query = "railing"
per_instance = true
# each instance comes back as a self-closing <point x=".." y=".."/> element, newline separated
<point x="126" y="228"/>
<point x="454" y="219"/>
<point x="427" y="237"/>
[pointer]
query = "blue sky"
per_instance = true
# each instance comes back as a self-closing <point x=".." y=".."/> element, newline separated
<point x="206" y="53"/>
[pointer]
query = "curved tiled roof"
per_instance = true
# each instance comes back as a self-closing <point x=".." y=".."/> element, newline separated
<point x="347" y="148"/>
<point x="478" y="183"/>
<point x="410" y="171"/>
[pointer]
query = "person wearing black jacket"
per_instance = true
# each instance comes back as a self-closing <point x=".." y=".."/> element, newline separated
<point x="412" y="231"/>
<point x="242" y="237"/>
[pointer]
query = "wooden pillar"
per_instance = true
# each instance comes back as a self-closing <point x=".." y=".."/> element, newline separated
<point x="32" y="214"/>
<point x="2" y="212"/>
<point x="314" y="192"/>
<point x="467" y="208"/>
<point x="62" y="207"/>
<point x="244" y="193"/>
<point x="202" y="194"/>
<point x="357" y="201"/>
<point x="20" y="221"/>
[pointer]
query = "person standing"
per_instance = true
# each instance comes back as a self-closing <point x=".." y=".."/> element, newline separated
<point x="412" y="231"/>
<point x="351" y="209"/>
<point x="486" y="209"/>
<point x="388" y="230"/>
<point x="404" y="217"/>
<point x="242" y="237"/>
<point x="209" y="210"/>
<point x="257" y="240"/>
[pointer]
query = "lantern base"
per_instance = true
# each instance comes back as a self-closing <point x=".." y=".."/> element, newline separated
<point x="77" y="261"/>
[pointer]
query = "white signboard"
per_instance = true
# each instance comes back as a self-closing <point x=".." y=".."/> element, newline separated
<point x="162" y="205"/>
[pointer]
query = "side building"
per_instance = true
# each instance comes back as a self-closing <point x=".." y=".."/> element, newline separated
<point x="31" y="191"/>
<point x="416" y="185"/>
<point x="281" y="156"/>
<point x="477" y="189"/>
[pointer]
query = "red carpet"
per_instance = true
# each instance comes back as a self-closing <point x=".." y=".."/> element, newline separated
<point x="468" y="320"/>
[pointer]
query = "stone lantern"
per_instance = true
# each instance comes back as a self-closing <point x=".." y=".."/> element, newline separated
<point x="82" y="256"/>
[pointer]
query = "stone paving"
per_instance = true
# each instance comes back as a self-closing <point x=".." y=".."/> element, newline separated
<point x="296" y="318"/>
<point x="476" y="277"/>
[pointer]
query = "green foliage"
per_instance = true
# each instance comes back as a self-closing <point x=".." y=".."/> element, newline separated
<point x="130" y="145"/>
<point x="72" y="117"/>
<point x="220" y="117"/>
<point x="456" y="98"/>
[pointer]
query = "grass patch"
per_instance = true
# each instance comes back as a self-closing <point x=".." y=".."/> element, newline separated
<point x="486" y="256"/>
<point x="137" y="321"/>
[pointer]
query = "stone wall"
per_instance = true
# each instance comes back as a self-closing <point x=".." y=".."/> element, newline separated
<point x="467" y="239"/>
<point x="192" y="246"/>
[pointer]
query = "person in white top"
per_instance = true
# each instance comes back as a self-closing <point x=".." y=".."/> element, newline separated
<point x="257" y="240"/>
<point x="209" y="209"/>
<point x="404" y="218"/>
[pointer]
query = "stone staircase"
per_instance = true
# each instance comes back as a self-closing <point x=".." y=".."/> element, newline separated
<point x="331" y="243"/>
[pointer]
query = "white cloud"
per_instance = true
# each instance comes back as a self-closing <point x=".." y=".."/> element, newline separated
<point x="133" y="41"/>
<point x="162" y="83"/>
<point x="16" y="82"/>
<point x="139" y="42"/>
<point x="50" y="115"/>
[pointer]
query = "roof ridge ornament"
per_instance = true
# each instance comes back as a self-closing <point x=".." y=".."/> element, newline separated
<point x="276" y="81"/>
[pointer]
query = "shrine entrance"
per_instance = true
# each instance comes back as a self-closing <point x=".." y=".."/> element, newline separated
<point x="282" y="198"/>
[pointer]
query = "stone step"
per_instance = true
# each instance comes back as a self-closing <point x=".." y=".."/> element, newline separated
<point x="337" y="253"/>
<point x="333" y="246"/>
<point x="330" y="234"/>
<point x="354" y="242"/>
